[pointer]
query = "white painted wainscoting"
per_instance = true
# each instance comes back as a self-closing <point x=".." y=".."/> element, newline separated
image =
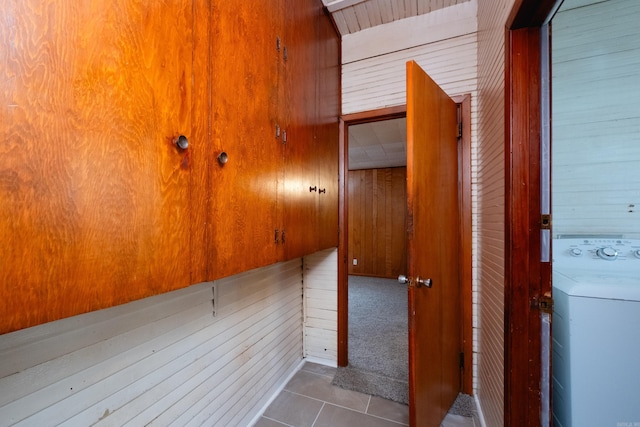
<point x="166" y="360"/>
<point x="321" y="307"/>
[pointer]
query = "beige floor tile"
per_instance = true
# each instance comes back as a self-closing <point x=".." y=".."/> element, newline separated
<point x="266" y="422"/>
<point x="457" y="421"/>
<point x="388" y="409"/>
<point x="319" y="387"/>
<point x="335" y="416"/>
<point x="293" y="409"/>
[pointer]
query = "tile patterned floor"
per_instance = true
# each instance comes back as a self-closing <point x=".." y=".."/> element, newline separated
<point x="310" y="400"/>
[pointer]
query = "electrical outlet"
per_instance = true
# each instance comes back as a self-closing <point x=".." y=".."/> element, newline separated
<point x="355" y="261"/>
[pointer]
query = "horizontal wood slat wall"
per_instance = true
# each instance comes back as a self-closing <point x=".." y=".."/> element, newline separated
<point x="161" y="360"/>
<point x="321" y="307"/>
<point x="594" y="127"/>
<point x="377" y="222"/>
<point x="489" y="226"/>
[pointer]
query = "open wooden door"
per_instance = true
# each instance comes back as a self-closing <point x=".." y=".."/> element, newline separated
<point x="433" y="249"/>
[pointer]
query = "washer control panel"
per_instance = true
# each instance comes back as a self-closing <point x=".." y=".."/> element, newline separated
<point x="597" y="252"/>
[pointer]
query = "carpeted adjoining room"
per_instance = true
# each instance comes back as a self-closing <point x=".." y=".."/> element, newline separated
<point x="378" y="343"/>
<point x="378" y="339"/>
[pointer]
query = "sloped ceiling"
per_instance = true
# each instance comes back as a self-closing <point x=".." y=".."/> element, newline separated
<point x="351" y="16"/>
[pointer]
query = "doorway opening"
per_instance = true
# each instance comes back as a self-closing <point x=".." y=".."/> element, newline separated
<point x="346" y="253"/>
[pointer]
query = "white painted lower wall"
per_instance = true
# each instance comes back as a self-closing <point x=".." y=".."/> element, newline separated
<point x="321" y="307"/>
<point x="164" y="360"/>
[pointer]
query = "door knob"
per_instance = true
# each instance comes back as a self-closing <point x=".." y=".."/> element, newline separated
<point x="418" y="282"/>
<point x="182" y="142"/>
<point x="223" y="158"/>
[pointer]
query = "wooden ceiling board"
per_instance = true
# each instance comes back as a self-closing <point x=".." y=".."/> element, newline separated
<point x="352" y="16"/>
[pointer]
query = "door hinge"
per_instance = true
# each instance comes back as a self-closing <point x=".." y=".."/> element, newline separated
<point x="545" y="221"/>
<point x="460" y="129"/>
<point x="544" y="304"/>
<point x="461" y="360"/>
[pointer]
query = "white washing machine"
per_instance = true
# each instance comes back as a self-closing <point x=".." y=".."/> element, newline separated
<point x="596" y="332"/>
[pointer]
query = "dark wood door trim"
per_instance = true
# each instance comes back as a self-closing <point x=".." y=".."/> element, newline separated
<point x="466" y="243"/>
<point x="527" y="278"/>
<point x="466" y="261"/>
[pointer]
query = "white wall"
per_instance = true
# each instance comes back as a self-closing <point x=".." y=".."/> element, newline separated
<point x="321" y="307"/>
<point x="165" y="360"/>
<point x="442" y="42"/>
<point x="596" y="119"/>
<point x="490" y="209"/>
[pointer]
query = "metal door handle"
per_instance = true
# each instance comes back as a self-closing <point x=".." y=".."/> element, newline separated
<point x="418" y="282"/>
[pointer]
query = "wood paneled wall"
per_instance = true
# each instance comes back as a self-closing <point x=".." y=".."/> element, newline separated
<point x="377" y="222"/>
<point x="101" y="206"/>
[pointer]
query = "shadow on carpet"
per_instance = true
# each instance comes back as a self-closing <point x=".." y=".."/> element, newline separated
<point x="372" y="383"/>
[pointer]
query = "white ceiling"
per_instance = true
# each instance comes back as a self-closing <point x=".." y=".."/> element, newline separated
<point x="378" y="144"/>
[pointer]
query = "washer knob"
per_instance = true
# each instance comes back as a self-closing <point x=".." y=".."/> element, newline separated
<point x="607" y="253"/>
<point x="636" y="253"/>
<point x="575" y="251"/>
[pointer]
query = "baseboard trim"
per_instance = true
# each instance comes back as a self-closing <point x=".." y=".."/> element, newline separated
<point x="281" y="387"/>
<point x="319" y="361"/>
<point x="479" y="412"/>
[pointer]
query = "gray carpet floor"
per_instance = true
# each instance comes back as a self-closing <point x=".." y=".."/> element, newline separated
<point x="378" y="343"/>
<point x="378" y="339"/>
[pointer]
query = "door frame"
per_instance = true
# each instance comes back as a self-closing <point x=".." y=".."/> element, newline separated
<point x="527" y="276"/>
<point x="464" y="102"/>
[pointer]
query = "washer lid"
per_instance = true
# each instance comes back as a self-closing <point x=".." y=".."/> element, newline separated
<point x="596" y="284"/>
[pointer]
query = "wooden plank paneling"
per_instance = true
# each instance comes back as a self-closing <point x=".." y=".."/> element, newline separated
<point x="328" y="83"/>
<point x="409" y="33"/>
<point x="377" y="222"/>
<point x="162" y="359"/>
<point x="94" y="192"/>
<point x="320" y="306"/>
<point x="379" y="82"/>
<point x="596" y="152"/>
<point x="244" y="191"/>
<point x="489" y="224"/>
<point x="363" y="14"/>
